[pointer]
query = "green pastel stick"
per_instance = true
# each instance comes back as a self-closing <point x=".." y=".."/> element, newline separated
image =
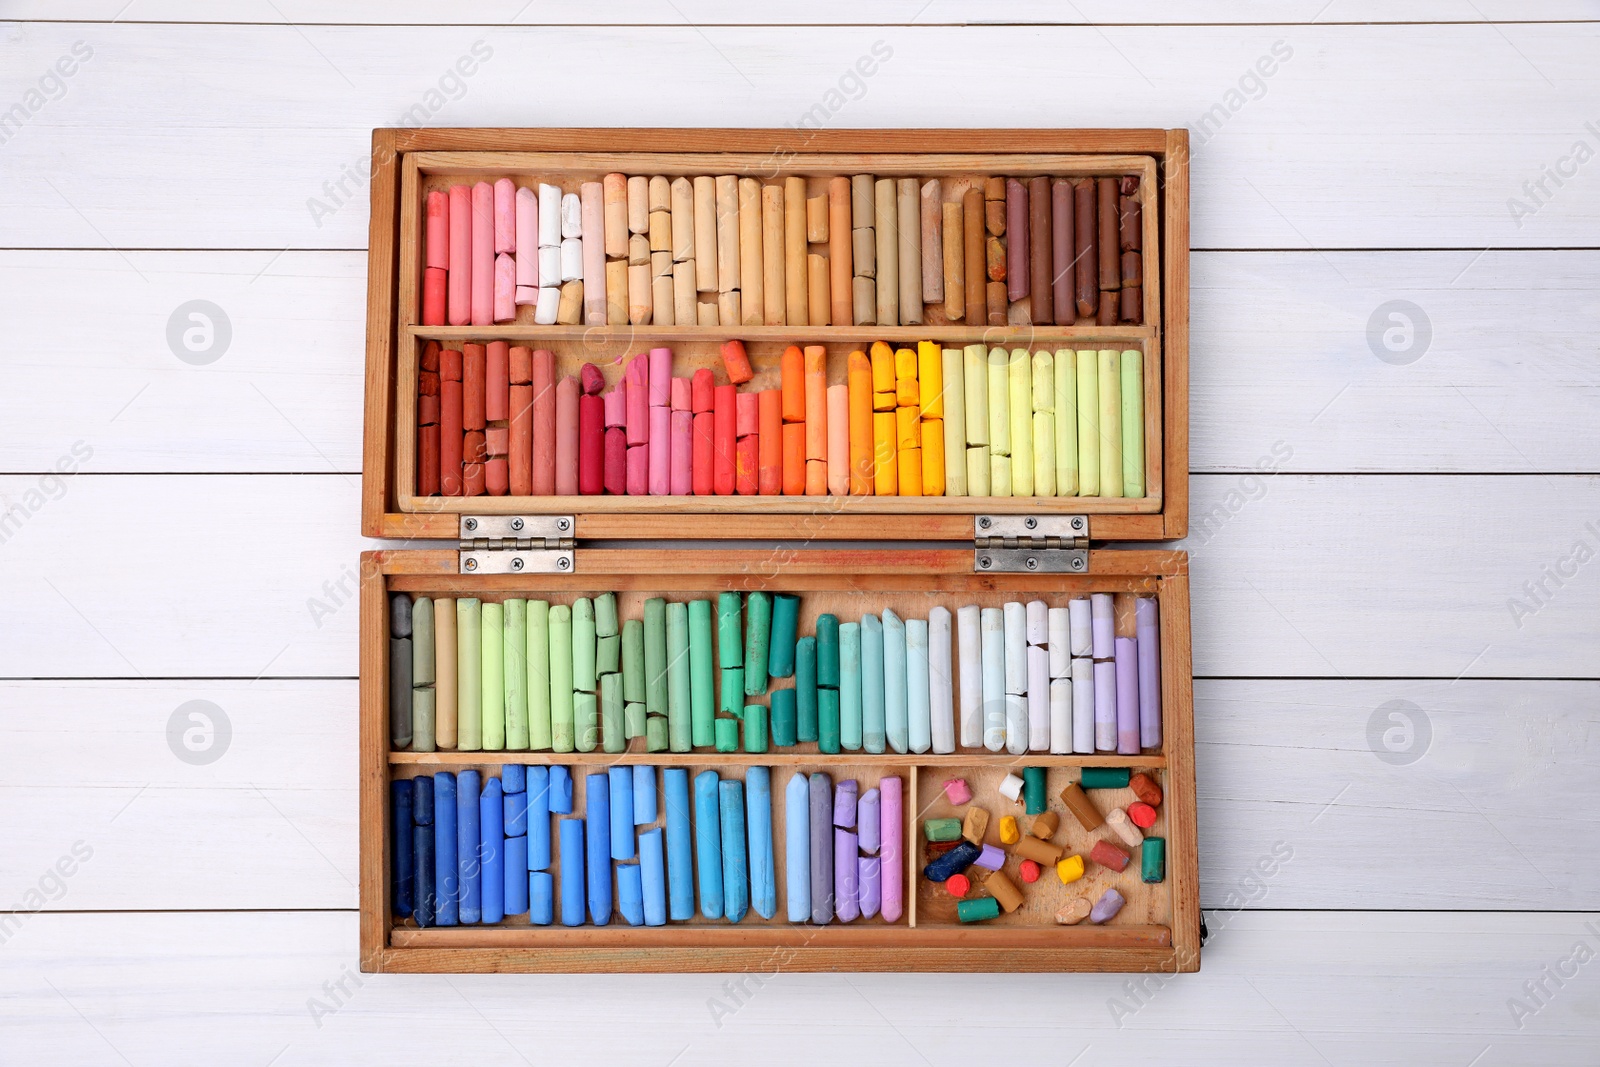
<point x="422" y="719"/>
<point x="611" y="715"/>
<point x="586" y="721"/>
<point x="805" y="689"/>
<point x="608" y="655"/>
<point x="755" y="728"/>
<point x="727" y="735"/>
<point x="538" y="674"/>
<point x="655" y="656"/>
<point x="1132" y="430"/>
<point x="1088" y="424"/>
<point x="584" y="678"/>
<point x="561" y="722"/>
<point x="605" y="615"/>
<point x="850" y="686"/>
<point x="757" y="635"/>
<point x="422" y="653"/>
<point x="679" y="687"/>
<point x="827" y="720"/>
<point x="634" y="720"/>
<point x="1066" y="412"/>
<point x="732" y="690"/>
<point x="828" y="651"/>
<point x="783" y="720"/>
<point x="469" y="674"/>
<point x="785" y="631"/>
<point x="493" y="684"/>
<point x="730" y="631"/>
<point x="702" y="674"/>
<point x="516" y="673"/>
<point x="655" y="734"/>
<point x="633" y="661"/>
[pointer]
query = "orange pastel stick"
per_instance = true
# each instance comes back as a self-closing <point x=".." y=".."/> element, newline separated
<point x="769" y="453"/>
<point x="882" y="367"/>
<point x="816" y="477"/>
<point x="884" y="465"/>
<point x="839" y="440"/>
<point x="859" y="377"/>
<point x="744" y="465"/>
<point x="794" y="385"/>
<point x="794" y="458"/>
<point x="816" y="361"/>
<point x="910" y="460"/>
<point x="736" y="362"/>
<point x="933" y="457"/>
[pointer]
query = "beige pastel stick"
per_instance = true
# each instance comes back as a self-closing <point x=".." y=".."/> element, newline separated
<point x="862" y="206"/>
<point x="617" y="290"/>
<point x="660" y="194"/>
<point x="839" y="250"/>
<point x="660" y="299"/>
<point x="638" y="204"/>
<point x="682" y="220"/>
<point x="706" y="313"/>
<point x="864" y="301"/>
<point x="772" y="255"/>
<point x="751" y="288"/>
<point x="955" y="303"/>
<point x="864" y="250"/>
<point x="727" y="238"/>
<point x="728" y="308"/>
<point x="683" y="311"/>
<point x="932" y="208"/>
<point x="444" y="672"/>
<point x="816" y="216"/>
<point x="794" y="251"/>
<point x="817" y="290"/>
<point x="887" y="214"/>
<point x="909" y="204"/>
<point x="616" y="214"/>
<point x="705" y="235"/>
<point x="640" y="301"/>
<point x="592" y="204"/>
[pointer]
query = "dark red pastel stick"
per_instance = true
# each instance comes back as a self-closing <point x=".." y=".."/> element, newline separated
<point x="616" y="461"/>
<point x="591" y="445"/>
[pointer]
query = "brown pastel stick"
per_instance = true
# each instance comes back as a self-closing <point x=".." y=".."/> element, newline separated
<point x="727" y="241"/>
<point x="817" y="311"/>
<point x="428" y="459"/>
<point x="886" y="212"/>
<point x="1004" y="890"/>
<point x="1045" y="826"/>
<point x="544" y="422"/>
<point x="864" y="251"/>
<point x="864" y="301"/>
<point x="816" y="216"/>
<point x="473" y="371"/>
<point x="994" y="259"/>
<point x="1040" y="252"/>
<point x="1085" y="241"/>
<point x="1082" y="808"/>
<point x="1128" y="236"/>
<point x="1145" y="788"/>
<point x="772" y="256"/>
<point x="450" y="430"/>
<point x="974" y="824"/>
<point x="752" y="290"/>
<point x="1041" y="852"/>
<point x="571" y="304"/>
<point x="794" y="251"/>
<point x="707" y="251"/>
<point x="614" y="191"/>
<point x="839" y="250"/>
<point x="972" y="228"/>
<point x="953" y="271"/>
<point x="994" y="206"/>
<point x="1062" y="305"/>
<point x="474" y="454"/>
<point x="1132" y="269"/>
<point x="1132" y="295"/>
<point x="1110" y="304"/>
<point x="932" y="242"/>
<point x="997" y="303"/>
<point x="1110" y="257"/>
<point x="1016" y="239"/>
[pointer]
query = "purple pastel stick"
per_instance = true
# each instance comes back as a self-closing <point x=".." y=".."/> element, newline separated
<point x="990" y="859"/>
<point x="846" y="904"/>
<point x="1105" y="705"/>
<point x="1127" y="696"/>
<point x="844" y="804"/>
<point x="892" y="869"/>
<point x="821" y="849"/>
<point x="1149" y="672"/>
<point x="660" y="377"/>
<point x="1106" y="907"/>
<point x="868" y="888"/>
<point x="867" y="822"/>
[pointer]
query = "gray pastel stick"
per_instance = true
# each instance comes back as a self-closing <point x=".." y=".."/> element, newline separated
<point x="422" y="653"/>
<point x="399" y="614"/>
<point x="821" y="848"/>
<point x="400" y="690"/>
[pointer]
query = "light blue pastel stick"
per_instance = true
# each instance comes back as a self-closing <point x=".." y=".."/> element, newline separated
<point x="644" y="795"/>
<point x="572" y="872"/>
<point x="708" y="843"/>
<point x="894" y="681"/>
<point x="797" y="841"/>
<point x="872" y="695"/>
<point x="758" y="817"/>
<point x="850" y="686"/>
<point x="597" y="845"/>
<point x="653" y="871"/>
<point x="735" y="860"/>
<point x="538" y="818"/>
<point x="621" y="812"/>
<point x="630" y="893"/>
<point x="680" y="850"/>
<point x="919" y="715"/>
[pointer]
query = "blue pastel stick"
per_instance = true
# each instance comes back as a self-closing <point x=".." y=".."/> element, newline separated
<point x="572" y="872"/>
<point x="758" y="817"/>
<point x="708" y="844"/>
<point x="513" y="779"/>
<point x="644" y="795"/>
<point x="422" y="815"/>
<point x="492" y="835"/>
<point x="630" y="893"/>
<point x="538" y="819"/>
<point x="797" y="848"/>
<point x="516" y="874"/>
<point x="872" y="693"/>
<point x="469" y="857"/>
<point x="560" y="791"/>
<point x="516" y="818"/>
<point x="680" y="861"/>
<point x="597" y="845"/>
<point x="404" y="843"/>
<point x="850" y="686"/>
<point x="895" y="714"/>
<point x="621" y="812"/>
<point x="446" y="868"/>
<point x="653" y="873"/>
<point x="919" y="710"/>
<point x="735" y="860"/>
<point x="542" y="899"/>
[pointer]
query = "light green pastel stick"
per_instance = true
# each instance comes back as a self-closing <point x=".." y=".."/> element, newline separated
<point x="1066" y="411"/>
<point x="655" y="656"/>
<point x="1110" y="381"/>
<point x="538" y="674"/>
<point x="422" y="653"/>
<point x="1132" y="432"/>
<point x="634" y="721"/>
<point x="702" y="674"/>
<point x="586" y="720"/>
<point x="1044" y="453"/>
<point x="561" y="721"/>
<point x="583" y="672"/>
<point x="469" y="674"/>
<point x="1019" y="376"/>
<point x="679" y="687"/>
<point x="999" y="475"/>
<point x="1088" y="424"/>
<point x="953" y="377"/>
<point x="655" y="736"/>
<point x="732" y="690"/>
<point x="422" y="719"/>
<point x="633" y="661"/>
<point x="605" y="615"/>
<point x="494" y="677"/>
<point x="516" y="667"/>
<point x="975" y="376"/>
<point x="850" y="686"/>
<point x="725" y="734"/>
<point x="999" y="404"/>
<point x="607" y="654"/>
<point x="978" y="471"/>
<point x="611" y="713"/>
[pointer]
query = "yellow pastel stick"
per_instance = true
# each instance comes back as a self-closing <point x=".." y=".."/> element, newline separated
<point x="910" y="460"/>
<point x="933" y="469"/>
<point x="1088" y="424"/>
<point x="978" y="471"/>
<point x="1132" y="423"/>
<point x="884" y="464"/>
<point x="1044" y="453"/>
<point x="975" y="379"/>
<point x="955" y="424"/>
<point x="906" y="432"/>
<point x="1019" y="372"/>
<point x="999" y="475"/>
<point x="930" y="377"/>
<point x="999" y="404"/>
<point x="905" y="363"/>
<point x="1044" y="382"/>
<point x="907" y="393"/>
<point x="882" y="367"/>
<point x="1110" y="379"/>
<point x="1066" y="412"/>
<point x="883" y="401"/>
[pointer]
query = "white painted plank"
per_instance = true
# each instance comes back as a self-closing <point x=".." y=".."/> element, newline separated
<point x="1411" y="990"/>
<point x="1363" y="137"/>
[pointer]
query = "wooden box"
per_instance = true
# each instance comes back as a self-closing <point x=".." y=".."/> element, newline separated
<point x="1037" y="548"/>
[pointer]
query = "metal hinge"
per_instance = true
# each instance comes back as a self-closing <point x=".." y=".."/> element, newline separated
<point x="516" y="544"/>
<point x="1014" y="544"/>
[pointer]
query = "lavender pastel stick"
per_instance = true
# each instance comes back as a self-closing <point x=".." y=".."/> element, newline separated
<point x="844" y="804"/>
<point x="892" y="827"/>
<point x="821" y="849"/>
<point x="1127" y="662"/>
<point x="1105" y="705"/>
<point x="1103" y="619"/>
<point x="867" y="818"/>
<point x="845" y="855"/>
<point x="869" y="887"/>
<point x="797" y="847"/>
<point x="1149" y="631"/>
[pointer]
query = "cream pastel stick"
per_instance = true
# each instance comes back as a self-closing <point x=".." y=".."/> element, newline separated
<point x="1088" y="424"/>
<point x="638" y="198"/>
<point x="887" y="213"/>
<point x="614" y="202"/>
<point x="794" y="251"/>
<point x="1132" y="423"/>
<point x="705" y="234"/>
<point x="773" y="254"/>
<point x="1110" y="380"/>
<point x="839" y="275"/>
<point x="752" y="279"/>
<point x="683" y="228"/>
<point x="592" y="197"/>
<point x="910" y="251"/>
<point x="975" y="377"/>
<point x="1066" y="419"/>
<point x="999" y="406"/>
<point x="941" y="678"/>
<point x="728" y="257"/>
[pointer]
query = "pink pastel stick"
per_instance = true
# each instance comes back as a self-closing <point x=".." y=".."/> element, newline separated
<point x="505" y="288"/>
<point x="527" y="238"/>
<point x="527" y="294"/>
<point x="661" y="451"/>
<point x="839" y="440"/>
<point x="591" y="197"/>
<point x="660" y="377"/>
<point x="636" y="377"/>
<point x="567" y="436"/>
<point x="616" y="466"/>
<point x="505" y="216"/>
<point x="891" y="871"/>
<point x="682" y="451"/>
<point x="438" y="229"/>
<point x="459" y="280"/>
<point x="482" y="254"/>
<point x="681" y="394"/>
<point x="746" y="414"/>
<point x="616" y="408"/>
<point x="639" y="470"/>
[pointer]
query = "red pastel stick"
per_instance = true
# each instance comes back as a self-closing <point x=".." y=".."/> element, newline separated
<point x="495" y="476"/>
<point x="428" y="461"/>
<point x="433" y="296"/>
<point x="616" y="461"/>
<point x="682" y="453"/>
<point x="460" y="278"/>
<point x="521" y="439"/>
<point x="746" y="415"/>
<point x="737" y="362"/>
<point x="591" y="445"/>
<point x="497" y="397"/>
<point x="724" y="416"/>
<point x="702" y="389"/>
<point x="450" y="429"/>
<point x="769" y="454"/>
<point x="703" y="463"/>
<point x="473" y="370"/>
<point x="438" y="256"/>
<point x="544" y="422"/>
<point x="567" y="436"/>
<point x="744" y="465"/>
<point x="472" y="459"/>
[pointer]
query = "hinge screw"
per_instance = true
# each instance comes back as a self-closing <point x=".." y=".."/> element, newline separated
<point x="1033" y="563"/>
<point x="516" y="524"/>
<point x="563" y="563"/>
<point x="469" y="564"/>
<point x="1077" y="564"/>
<point x="516" y="563"/>
<point x="1077" y="524"/>
<point x="984" y="522"/>
<point x="1031" y="523"/>
<point x="984" y="563"/>
<point x="562" y="525"/>
<point x="471" y="524"/>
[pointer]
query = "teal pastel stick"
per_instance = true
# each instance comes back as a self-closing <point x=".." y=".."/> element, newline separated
<point x="828" y="651"/>
<point x="850" y="686"/>
<point x="730" y="631"/>
<point x="758" y="817"/>
<point x="708" y="843"/>
<point x="894" y="681"/>
<point x="827" y="720"/>
<point x="680" y="853"/>
<point x="679" y="687"/>
<point x="783" y="718"/>
<point x="732" y="700"/>
<point x="583" y="673"/>
<point x="605" y="615"/>
<point x="872" y="692"/>
<point x="919" y="715"/>
<point x="805" y="688"/>
<point x="757" y="636"/>
<point x="735" y="860"/>
<point x="702" y="674"/>
<point x="785" y="631"/>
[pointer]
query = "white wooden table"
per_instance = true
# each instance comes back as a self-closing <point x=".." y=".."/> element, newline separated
<point x="1438" y="862"/>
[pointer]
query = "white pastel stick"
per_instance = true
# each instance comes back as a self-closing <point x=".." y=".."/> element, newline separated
<point x="1038" y="622"/>
<point x="1082" y="630"/>
<point x="594" y="255"/>
<point x="527" y="225"/>
<point x="1011" y="787"/>
<point x="571" y="260"/>
<point x="550" y="215"/>
<point x="941" y="705"/>
<point x="527" y="294"/>
<point x="550" y="265"/>
<point x="1016" y="723"/>
<point x="1060" y="716"/>
<point x="1105" y="631"/>
<point x="1038" y="699"/>
<point x="1016" y="648"/>
<point x="1060" y="651"/>
<point x="571" y="216"/>
<point x="544" y="312"/>
<point x="970" y="647"/>
<point x="919" y="724"/>
<point x="992" y="627"/>
<point x="1083" y="706"/>
<point x="1105" y="705"/>
<point x="896" y="717"/>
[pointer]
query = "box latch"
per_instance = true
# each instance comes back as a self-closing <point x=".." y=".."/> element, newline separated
<point x="1043" y="544"/>
<point x="516" y="544"/>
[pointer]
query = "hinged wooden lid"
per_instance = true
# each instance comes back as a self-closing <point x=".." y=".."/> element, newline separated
<point x="407" y="160"/>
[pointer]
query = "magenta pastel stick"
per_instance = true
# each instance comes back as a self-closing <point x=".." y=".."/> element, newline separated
<point x="482" y="254"/>
<point x="636" y="377"/>
<point x="438" y="229"/>
<point x="681" y="395"/>
<point x="1127" y="696"/>
<point x="527" y="225"/>
<point x="505" y="288"/>
<point x="505" y="216"/>
<point x="846" y="904"/>
<point x="1149" y="631"/>
<point x="567" y="436"/>
<point x="892" y="869"/>
<point x="616" y="408"/>
<point x="616" y="469"/>
<point x="459" y="279"/>
<point x="661" y="451"/>
<point x="638" y="470"/>
<point x="869" y="886"/>
<point x="660" y="377"/>
<point x="746" y="414"/>
<point x="682" y="452"/>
